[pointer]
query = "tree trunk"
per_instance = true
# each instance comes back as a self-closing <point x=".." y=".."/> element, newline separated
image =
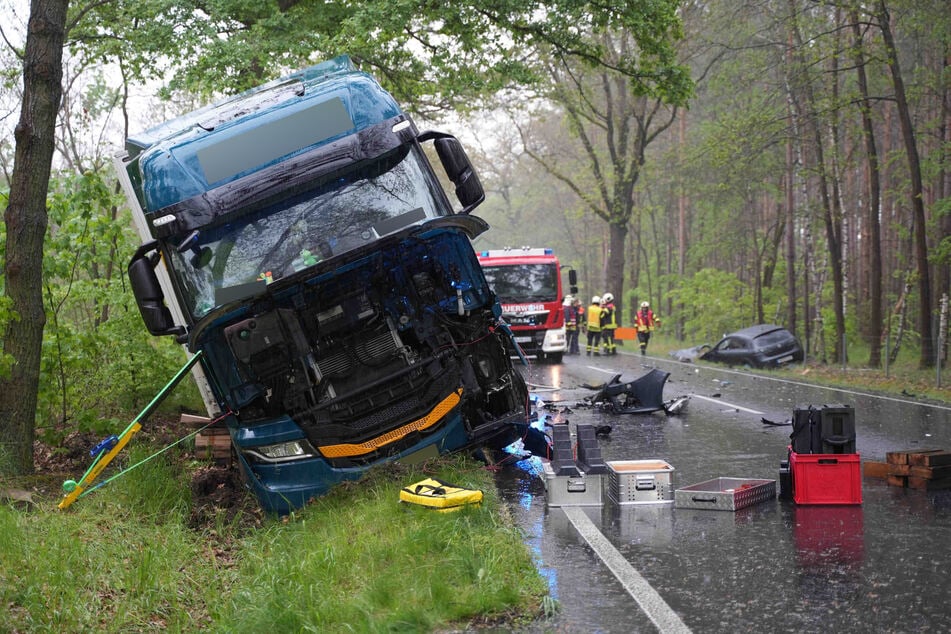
<point x="790" y="240"/>
<point x="681" y="223"/>
<point x="943" y="281"/>
<point x="793" y="179"/>
<point x="26" y="221"/>
<point x="917" y="191"/>
<point x="873" y="245"/>
<point x="615" y="272"/>
<point x="830" y="216"/>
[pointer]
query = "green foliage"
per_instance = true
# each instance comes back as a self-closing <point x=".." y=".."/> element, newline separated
<point x="941" y="253"/>
<point x="98" y="362"/>
<point x="429" y="54"/>
<point x="714" y="302"/>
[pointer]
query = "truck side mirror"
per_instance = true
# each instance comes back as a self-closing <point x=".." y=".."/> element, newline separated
<point x="148" y="292"/>
<point x="454" y="160"/>
<point x="573" y="281"/>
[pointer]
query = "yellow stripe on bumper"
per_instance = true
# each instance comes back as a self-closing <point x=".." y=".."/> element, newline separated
<point x="347" y="449"/>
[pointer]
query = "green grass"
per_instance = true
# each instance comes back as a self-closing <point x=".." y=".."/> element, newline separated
<point x="125" y="559"/>
<point x="903" y="378"/>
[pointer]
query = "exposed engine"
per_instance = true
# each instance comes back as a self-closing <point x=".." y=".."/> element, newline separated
<point x="353" y="356"/>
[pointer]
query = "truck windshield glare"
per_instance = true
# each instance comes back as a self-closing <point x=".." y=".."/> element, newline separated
<point x="524" y="282"/>
<point x="527" y="282"/>
<point x="339" y="213"/>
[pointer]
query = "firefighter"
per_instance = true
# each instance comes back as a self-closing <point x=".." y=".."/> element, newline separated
<point x="645" y="322"/>
<point x="572" y="321"/>
<point x="579" y="322"/>
<point x="608" y="324"/>
<point x="594" y="327"/>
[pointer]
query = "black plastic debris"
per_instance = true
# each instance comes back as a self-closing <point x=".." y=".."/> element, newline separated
<point x="643" y="395"/>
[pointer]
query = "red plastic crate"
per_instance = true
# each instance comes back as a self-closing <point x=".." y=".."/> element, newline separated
<point x="826" y="478"/>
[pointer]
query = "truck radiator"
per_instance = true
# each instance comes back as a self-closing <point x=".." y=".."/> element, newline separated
<point x="370" y="351"/>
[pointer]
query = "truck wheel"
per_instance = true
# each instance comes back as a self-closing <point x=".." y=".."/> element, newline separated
<point x="553" y="357"/>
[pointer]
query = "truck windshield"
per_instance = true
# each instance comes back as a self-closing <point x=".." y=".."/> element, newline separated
<point x="323" y="219"/>
<point x="524" y="282"/>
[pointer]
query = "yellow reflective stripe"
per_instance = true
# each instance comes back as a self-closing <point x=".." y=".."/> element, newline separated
<point x="349" y="449"/>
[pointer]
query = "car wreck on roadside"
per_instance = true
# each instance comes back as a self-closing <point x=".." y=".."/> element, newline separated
<point x="760" y="346"/>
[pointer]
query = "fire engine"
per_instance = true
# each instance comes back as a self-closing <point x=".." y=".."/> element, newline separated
<point x="527" y="283"/>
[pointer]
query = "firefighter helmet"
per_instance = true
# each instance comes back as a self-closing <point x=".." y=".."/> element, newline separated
<point x="645" y="305"/>
<point x="608" y="298"/>
<point x="596" y="300"/>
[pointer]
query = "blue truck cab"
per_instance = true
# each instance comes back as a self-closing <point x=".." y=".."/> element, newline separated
<point x="298" y="236"/>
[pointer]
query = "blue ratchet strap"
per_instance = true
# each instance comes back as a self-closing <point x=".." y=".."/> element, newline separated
<point x="105" y="445"/>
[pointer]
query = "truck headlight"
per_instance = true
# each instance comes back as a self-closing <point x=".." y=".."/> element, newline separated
<point x="282" y="452"/>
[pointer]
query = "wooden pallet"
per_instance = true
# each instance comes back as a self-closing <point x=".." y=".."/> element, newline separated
<point x="922" y="469"/>
<point x="213" y="443"/>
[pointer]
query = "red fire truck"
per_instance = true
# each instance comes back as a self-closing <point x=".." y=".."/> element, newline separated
<point x="528" y="285"/>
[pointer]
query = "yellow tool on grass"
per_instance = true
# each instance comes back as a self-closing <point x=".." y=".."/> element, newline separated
<point x="439" y="495"/>
<point x="106" y="450"/>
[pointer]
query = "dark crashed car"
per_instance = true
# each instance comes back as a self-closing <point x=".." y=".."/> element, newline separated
<point x="762" y="346"/>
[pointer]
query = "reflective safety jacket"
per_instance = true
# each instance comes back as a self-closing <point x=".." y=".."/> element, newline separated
<point x="645" y="321"/>
<point x="571" y="317"/>
<point x="608" y="317"/>
<point x="594" y="318"/>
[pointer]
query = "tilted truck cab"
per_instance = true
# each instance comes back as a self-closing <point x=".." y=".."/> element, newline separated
<point x="299" y="237"/>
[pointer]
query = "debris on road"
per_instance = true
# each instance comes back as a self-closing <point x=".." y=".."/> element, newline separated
<point x="922" y="469"/>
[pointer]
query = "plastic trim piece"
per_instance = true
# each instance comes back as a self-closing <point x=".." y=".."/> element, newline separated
<point x="345" y="450"/>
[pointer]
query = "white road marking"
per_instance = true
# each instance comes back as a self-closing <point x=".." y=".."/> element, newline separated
<point x="605" y="370"/>
<point x="722" y="402"/>
<point x="649" y="600"/>
<point x="804" y="384"/>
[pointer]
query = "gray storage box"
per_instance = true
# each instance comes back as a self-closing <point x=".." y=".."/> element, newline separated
<point x="575" y="490"/>
<point x="725" y="494"/>
<point x="640" y="481"/>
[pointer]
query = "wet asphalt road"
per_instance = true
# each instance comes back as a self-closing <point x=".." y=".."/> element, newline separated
<point x="882" y="566"/>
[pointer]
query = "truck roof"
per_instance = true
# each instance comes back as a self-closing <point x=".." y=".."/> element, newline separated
<point x="260" y="97"/>
<point x="243" y="134"/>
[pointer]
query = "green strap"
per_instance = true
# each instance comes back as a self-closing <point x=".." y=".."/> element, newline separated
<point x="92" y="466"/>
<point x="154" y="455"/>
<point x="145" y="412"/>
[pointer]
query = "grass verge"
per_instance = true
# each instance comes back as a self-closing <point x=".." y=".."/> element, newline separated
<point x="127" y="558"/>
